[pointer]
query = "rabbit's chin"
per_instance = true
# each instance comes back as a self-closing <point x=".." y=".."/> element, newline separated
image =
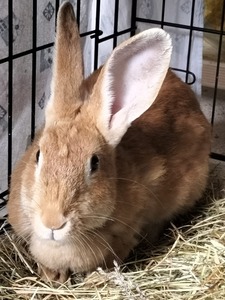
<point x="64" y="255"/>
<point x="50" y="253"/>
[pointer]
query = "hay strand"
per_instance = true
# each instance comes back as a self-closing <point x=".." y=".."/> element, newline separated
<point x="190" y="266"/>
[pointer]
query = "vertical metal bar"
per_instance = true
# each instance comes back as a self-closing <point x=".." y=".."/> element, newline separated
<point x="10" y="86"/>
<point x="97" y="22"/>
<point x="133" y="17"/>
<point x="34" y="65"/>
<point x="57" y="5"/>
<point x="163" y="13"/>
<point x="218" y="64"/>
<point x="116" y="16"/>
<point x="190" y="40"/>
<point x="78" y="13"/>
<point x="56" y="11"/>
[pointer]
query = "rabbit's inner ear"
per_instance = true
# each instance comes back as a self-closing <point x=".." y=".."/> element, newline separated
<point x="132" y="78"/>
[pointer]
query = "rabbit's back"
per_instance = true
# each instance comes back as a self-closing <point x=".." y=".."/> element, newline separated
<point x="165" y="153"/>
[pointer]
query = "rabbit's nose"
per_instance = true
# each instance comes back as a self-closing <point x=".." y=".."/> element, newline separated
<point x="57" y="232"/>
<point x="59" y="226"/>
<point x="53" y="220"/>
<point x="55" y="224"/>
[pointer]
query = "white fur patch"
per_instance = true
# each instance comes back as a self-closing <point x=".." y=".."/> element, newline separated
<point x="24" y="198"/>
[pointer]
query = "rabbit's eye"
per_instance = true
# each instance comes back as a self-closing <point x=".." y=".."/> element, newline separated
<point x="94" y="164"/>
<point x="37" y="156"/>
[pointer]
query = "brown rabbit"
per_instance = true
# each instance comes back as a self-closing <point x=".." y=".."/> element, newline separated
<point x="121" y="153"/>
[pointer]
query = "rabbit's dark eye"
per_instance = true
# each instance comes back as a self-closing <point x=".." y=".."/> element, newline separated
<point x="37" y="156"/>
<point x="94" y="164"/>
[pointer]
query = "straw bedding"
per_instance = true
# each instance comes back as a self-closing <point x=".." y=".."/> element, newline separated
<point x="189" y="263"/>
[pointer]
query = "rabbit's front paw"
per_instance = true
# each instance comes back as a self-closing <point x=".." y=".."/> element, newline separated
<point x="47" y="274"/>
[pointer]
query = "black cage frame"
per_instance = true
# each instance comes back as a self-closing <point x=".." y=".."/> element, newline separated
<point x="96" y="35"/>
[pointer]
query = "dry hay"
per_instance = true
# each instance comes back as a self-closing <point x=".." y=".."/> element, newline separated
<point x="191" y="265"/>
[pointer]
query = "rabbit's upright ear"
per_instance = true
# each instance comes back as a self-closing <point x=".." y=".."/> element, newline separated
<point x="131" y="80"/>
<point x="67" y="65"/>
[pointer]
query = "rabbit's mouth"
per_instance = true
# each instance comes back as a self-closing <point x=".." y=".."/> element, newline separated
<point x="57" y="233"/>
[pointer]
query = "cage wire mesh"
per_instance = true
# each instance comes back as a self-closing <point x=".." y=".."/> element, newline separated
<point x="35" y="57"/>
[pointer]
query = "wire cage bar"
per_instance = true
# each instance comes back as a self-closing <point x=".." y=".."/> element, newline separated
<point x="96" y="33"/>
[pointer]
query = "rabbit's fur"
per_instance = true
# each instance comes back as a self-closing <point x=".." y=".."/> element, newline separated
<point x="121" y="153"/>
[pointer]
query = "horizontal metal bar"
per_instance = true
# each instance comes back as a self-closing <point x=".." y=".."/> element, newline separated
<point x="108" y="37"/>
<point x="182" y="26"/>
<point x="39" y="48"/>
<point x="217" y="156"/>
<point x="27" y="52"/>
<point x="4" y="194"/>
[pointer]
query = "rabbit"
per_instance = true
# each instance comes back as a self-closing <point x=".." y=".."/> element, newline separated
<point x="121" y="153"/>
